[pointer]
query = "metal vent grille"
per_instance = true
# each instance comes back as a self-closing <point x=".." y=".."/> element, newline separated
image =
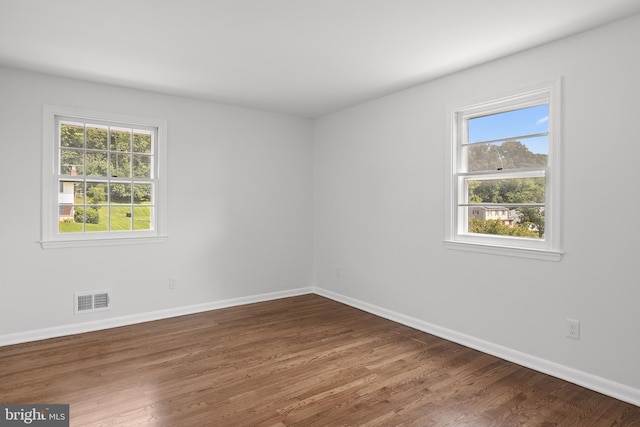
<point x="86" y="302"/>
<point x="101" y="300"/>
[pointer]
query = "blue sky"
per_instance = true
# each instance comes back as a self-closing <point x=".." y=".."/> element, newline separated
<point x="525" y="121"/>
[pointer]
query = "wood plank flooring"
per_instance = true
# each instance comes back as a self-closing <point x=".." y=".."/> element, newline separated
<point x="302" y="361"/>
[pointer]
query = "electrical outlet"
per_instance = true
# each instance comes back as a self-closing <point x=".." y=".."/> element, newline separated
<point x="338" y="273"/>
<point x="573" y="329"/>
<point x="173" y="282"/>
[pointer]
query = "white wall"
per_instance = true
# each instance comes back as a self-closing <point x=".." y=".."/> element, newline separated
<point x="379" y="213"/>
<point x="242" y="211"/>
<point x="239" y="209"/>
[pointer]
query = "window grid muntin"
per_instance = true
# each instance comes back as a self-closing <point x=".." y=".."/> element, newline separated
<point x="84" y="178"/>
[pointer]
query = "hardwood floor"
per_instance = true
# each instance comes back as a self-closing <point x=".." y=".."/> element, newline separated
<point x="302" y="361"/>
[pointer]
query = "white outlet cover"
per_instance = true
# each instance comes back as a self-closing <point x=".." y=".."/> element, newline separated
<point x="573" y="329"/>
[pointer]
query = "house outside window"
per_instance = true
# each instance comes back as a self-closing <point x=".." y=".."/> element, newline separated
<point x="104" y="180"/>
<point x="504" y="174"/>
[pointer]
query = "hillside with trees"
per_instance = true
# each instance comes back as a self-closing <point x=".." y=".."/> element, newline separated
<point x="508" y="156"/>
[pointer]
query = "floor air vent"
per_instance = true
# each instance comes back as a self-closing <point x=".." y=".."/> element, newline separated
<point x="87" y="302"/>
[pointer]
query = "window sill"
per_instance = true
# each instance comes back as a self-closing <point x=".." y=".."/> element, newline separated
<point x="539" y="254"/>
<point x="55" y="244"/>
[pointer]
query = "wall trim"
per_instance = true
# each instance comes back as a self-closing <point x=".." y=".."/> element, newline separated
<point x="593" y="382"/>
<point x="91" y="326"/>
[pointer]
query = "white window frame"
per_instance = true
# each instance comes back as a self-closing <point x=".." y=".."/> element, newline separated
<point x="456" y="236"/>
<point x="50" y="235"/>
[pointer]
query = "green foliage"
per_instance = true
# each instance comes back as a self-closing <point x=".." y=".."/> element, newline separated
<point x="141" y="166"/>
<point x="96" y="193"/>
<point x="121" y="193"/>
<point x="105" y="151"/>
<point x="120" y="140"/>
<point x="92" y="215"/>
<point x="515" y="190"/>
<point x="141" y="193"/>
<point x="533" y="217"/>
<point x="97" y="137"/>
<point x="97" y="164"/>
<point x="495" y="226"/>
<point x="70" y="158"/>
<point x="78" y="214"/>
<point x="142" y="142"/>
<point x="72" y="135"/>
<point x="509" y="155"/>
<point x="120" y="165"/>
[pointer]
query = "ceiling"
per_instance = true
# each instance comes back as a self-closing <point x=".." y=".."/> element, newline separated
<point x="304" y="57"/>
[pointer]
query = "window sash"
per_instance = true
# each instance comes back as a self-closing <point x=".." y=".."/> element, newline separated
<point x="53" y="177"/>
<point x="457" y="235"/>
<point x="462" y="197"/>
<point x="510" y="138"/>
<point x="112" y="150"/>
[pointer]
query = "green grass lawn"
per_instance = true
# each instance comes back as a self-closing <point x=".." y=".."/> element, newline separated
<point x="119" y="220"/>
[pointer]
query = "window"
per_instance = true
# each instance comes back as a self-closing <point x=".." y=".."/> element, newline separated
<point x="103" y="180"/>
<point x="504" y="174"/>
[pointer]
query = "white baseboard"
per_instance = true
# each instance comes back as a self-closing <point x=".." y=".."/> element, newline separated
<point x="78" y="328"/>
<point x="593" y="382"/>
<point x="584" y="379"/>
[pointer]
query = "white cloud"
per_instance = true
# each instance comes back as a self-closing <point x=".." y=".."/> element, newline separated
<point x="542" y="120"/>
